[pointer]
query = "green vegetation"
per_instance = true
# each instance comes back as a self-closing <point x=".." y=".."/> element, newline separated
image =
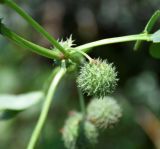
<point x="95" y="77"/>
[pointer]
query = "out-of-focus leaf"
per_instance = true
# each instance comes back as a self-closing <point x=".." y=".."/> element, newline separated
<point x="11" y="105"/>
<point x="154" y="50"/>
<point x="8" y="114"/>
<point x="9" y="79"/>
<point x="144" y="90"/>
<point x="19" y="102"/>
<point x="156" y="37"/>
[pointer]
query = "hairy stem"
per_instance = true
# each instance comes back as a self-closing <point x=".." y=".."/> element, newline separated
<point x="86" y="47"/>
<point x="35" y="25"/>
<point x="27" y="44"/>
<point x="47" y="103"/>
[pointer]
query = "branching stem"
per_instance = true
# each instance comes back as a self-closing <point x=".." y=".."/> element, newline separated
<point x="35" y="25"/>
<point x="84" y="54"/>
<point x="27" y="44"/>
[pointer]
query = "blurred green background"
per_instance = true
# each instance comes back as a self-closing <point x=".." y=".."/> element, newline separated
<point x="139" y="87"/>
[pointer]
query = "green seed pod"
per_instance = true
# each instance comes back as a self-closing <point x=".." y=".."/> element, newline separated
<point x="97" y="78"/>
<point x="70" y="130"/>
<point x="91" y="133"/>
<point x="88" y="135"/>
<point x="79" y="134"/>
<point x="104" y="113"/>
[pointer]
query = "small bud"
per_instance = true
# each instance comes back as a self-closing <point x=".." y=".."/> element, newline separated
<point x="97" y="78"/>
<point x="77" y="134"/>
<point x="103" y="113"/>
<point x="66" y="44"/>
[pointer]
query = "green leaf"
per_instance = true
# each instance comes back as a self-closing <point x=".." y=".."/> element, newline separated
<point x="148" y="28"/>
<point x="156" y="37"/>
<point x="20" y="102"/>
<point x="11" y="105"/>
<point x="154" y="50"/>
<point x="152" y="21"/>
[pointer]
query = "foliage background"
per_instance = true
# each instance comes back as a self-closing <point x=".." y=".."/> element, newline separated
<point x="22" y="71"/>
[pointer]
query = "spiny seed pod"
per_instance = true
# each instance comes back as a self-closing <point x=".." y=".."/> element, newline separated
<point x="78" y="134"/>
<point x="97" y="78"/>
<point x="104" y="113"/>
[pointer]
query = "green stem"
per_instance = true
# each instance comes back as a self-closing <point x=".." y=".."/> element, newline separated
<point x="49" y="79"/>
<point x="82" y="103"/>
<point x="27" y="44"/>
<point x="87" y="46"/>
<point x="35" y="25"/>
<point x="84" y="54"/>
<point x="45" y="108"/>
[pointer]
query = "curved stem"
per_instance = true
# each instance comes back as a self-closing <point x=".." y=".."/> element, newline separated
<point x="45" y="108"/>
<point x="27" y="44"/>
<point x="87" y="46"/>
<point x="84" y="54"/>
<point x="34" y="24"/>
